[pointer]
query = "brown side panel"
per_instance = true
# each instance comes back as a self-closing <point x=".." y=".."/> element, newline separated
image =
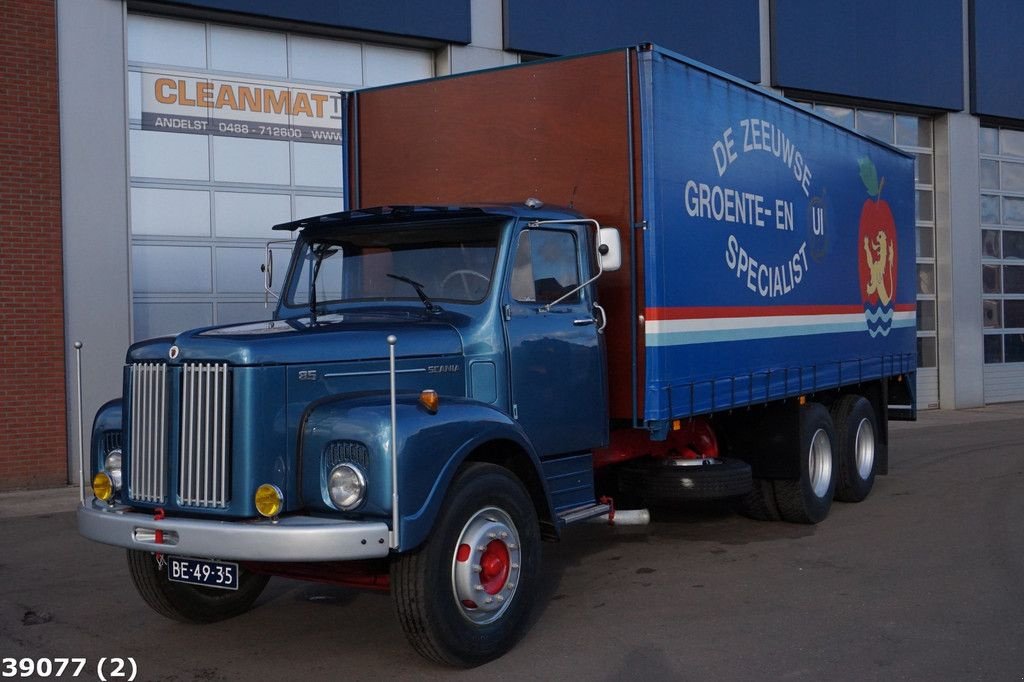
<point x="558" y="131"/>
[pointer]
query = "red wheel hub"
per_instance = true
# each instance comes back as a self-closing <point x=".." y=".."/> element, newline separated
<point x="494" y="567"/>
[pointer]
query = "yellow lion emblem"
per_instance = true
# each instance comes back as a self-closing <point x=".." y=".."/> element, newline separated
<point x="879" y="266"/>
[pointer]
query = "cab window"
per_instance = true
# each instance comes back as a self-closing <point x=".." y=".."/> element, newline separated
<point x="545" y="267"/>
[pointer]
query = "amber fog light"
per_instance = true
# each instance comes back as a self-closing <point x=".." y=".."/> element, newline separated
<point x="269" y="500"/>
<point x="102" y="486"/>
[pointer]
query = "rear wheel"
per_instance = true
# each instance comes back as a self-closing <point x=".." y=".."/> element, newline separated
<point x="809" y="498"/>
<point x="857" y="445"/>
<point x="464" y="596"/>
<point x="191" y="603"/>
<point x="759" y="503"/>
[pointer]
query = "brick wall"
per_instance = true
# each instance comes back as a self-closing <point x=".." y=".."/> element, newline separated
<point x="32" y="391"/>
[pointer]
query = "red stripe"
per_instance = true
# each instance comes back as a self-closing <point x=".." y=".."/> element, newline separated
<point x="709" y="312"/>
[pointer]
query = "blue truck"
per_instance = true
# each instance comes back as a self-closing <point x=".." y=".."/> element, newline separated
<point x="694" y="289"/>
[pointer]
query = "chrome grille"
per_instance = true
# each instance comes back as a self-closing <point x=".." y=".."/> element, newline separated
<point x="149" y="432"/>
<point x="205" y="429"/>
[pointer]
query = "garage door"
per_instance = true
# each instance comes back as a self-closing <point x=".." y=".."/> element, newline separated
<point x="231" y="130"/>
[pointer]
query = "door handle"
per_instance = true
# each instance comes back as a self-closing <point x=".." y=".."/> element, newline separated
<point x="583" y="322"/>
<point x="604" y="319"/>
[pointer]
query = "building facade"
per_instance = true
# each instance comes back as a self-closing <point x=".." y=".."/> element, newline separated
<point x="148" y="146"/>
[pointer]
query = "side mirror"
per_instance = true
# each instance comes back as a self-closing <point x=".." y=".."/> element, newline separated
<point x="609" y="249"/>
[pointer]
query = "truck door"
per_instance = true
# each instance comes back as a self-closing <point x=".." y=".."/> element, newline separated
<point x="556" y="355"/>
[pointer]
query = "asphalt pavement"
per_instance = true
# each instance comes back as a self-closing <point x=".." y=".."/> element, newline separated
<point x="924" y="580"/>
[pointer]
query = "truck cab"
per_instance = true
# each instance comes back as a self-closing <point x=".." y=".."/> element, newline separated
<point x="432" y="382"/>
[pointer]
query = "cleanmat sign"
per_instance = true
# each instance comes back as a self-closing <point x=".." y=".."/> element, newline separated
<point x="192" y="103"/>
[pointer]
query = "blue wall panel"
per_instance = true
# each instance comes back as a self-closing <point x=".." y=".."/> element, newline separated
<point x="997" y="58"/>
<point x="723" y="34"/>
<point x="906" y="52"/>
<point x="444" y="20"/>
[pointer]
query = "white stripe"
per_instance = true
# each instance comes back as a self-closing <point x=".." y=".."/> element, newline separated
<point x="764" y="322"/>
<point x="689" y="332"/>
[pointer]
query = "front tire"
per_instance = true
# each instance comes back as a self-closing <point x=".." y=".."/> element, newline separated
<point x="191" y="603"/>
<point x="809" y="498"/>
<point x="463" y="598"/>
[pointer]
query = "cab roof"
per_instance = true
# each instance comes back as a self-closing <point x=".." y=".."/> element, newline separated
<point x="384" y="215"/>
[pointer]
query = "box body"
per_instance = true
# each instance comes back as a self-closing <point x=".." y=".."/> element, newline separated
<point x="768" y="252"/>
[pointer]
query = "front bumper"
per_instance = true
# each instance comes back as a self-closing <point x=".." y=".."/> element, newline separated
<point x="292" y="538"/>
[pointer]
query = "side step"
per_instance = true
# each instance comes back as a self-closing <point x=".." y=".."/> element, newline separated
<point x="577" y="514"/>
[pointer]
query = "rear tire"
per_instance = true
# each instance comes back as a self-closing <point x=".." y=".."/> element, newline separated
<point x="809" y="498"/>
<point x="759" y="504"/>
<point x="191" y="603"/>
<point x="857" y="444"/>
<point x="463" y="598"/>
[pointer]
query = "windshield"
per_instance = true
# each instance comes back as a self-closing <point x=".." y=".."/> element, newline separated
<point x="448" y="263"/>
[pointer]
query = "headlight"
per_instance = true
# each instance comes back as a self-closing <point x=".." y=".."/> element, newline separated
<point x="112" y="465"/>
<point x="346" y="486"/>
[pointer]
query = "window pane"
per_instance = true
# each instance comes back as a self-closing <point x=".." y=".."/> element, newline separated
<point x="838" y="114"/>
<point x="1014" y="314"/>
<point x="925" y="243"/>
<point x="989" y="174"/>
<point x="925" y="207"/>
<point x="923" y="169"/>
<point x="1013" y="176"/>
<point x="545" y="267"/>
<point x="989" y="139"/>
<point x="989" y="243"/>
<point x="989" y="209"/>
<point x="992" y="317"/>
<point x="925" y="351"/>
<point x="906" y="130"/>
<point x="1013" y="244"/>
<point x="925" y="278"/>
<point x="1014" y="347"/>
<point x="926" y="315"/>
<point x="1013" y="279"/>
<point x="990" y="279"/>
<point x="1011" y="142"/>
<point x="924" y="132"/>
<point x="913" y="131"/>
<point x="994" y="348"/>
<point x="159" y="269"/>
<point x="1013" y="211"/>
<point x="877" y="124"/>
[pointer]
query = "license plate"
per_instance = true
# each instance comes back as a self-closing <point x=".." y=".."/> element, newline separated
<point x="219" y="574"/>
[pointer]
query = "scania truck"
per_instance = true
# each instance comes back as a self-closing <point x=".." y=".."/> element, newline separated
<point x="620" y="278"/>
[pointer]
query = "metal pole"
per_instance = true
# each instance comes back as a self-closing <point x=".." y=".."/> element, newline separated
<point x="392" y="340"/>
<point x="81" y="438"/>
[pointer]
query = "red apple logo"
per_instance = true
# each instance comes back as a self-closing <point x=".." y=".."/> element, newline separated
<point x="877" y="251"/>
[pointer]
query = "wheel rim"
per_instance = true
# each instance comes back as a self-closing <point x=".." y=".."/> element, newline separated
<point x="486" y="566"/>
<point x="864" y="448"/>
<point x="819" y="463"/>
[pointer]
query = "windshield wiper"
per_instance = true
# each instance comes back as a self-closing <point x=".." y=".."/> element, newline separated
<point x="431" y="307"/>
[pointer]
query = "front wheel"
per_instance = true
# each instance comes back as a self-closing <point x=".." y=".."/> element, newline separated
<point x="463" y="598"/>
<point x="190" y="603"/>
